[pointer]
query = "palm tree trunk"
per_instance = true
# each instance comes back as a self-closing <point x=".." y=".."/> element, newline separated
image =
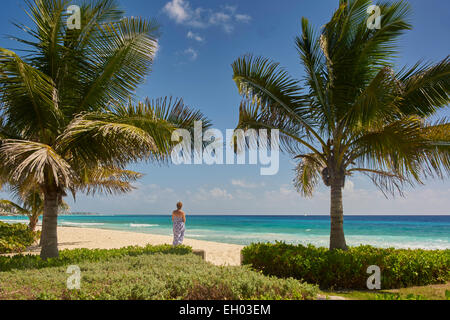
<point x="33" y="222"/>
<point x="337" y="237"/>
<point x="49" y="237"/>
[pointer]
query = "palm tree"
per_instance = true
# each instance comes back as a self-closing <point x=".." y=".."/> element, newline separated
<point x="30" y="205"/>
<point x="358" y="115"/>
<point x="68" y="119"/>
<point x="30" y="199"/>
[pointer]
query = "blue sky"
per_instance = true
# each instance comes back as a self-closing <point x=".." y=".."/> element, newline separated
<point x="199" y="41"/>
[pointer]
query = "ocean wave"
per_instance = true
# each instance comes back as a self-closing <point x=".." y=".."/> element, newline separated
<point x="135" y="225"/>
<point x="14" y="221"/>
<point x="399" y="242"/>
<point x="82" y="224"/>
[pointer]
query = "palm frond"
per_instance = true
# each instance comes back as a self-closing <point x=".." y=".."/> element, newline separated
<point x="394" y="148"/>
<point x="23" y="159"/>
<point x="294" y="138"/>
<point x="121" y="55"/>
<point x="171" y="110"/>
<point x="376" y="104"/>
<point x="424" y="88"/>
<point x="262" y="81"/>
<point x="12" y="208"/>
<point x="308" y="173"/>
<point x="108" y="180"/>
<point x="64" y="207"/>
<point x="355" y="54"/>
<point x="389" y="183"/>
<point x="437" y="148"/>
<point x="312" y="58"/>
<point x="128" y="133"/>
<point x="106" y="139"/>
<point x="28" y="96"/>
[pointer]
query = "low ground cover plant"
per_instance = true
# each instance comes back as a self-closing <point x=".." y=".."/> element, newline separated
<point x="152" y="277"/>
<point x="70" y="257"/>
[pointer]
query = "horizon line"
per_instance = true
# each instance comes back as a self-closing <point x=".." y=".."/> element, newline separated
<point x="236" y="215"/>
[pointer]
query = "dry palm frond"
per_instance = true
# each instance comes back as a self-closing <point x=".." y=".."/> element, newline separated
<point x="25" y="158"/>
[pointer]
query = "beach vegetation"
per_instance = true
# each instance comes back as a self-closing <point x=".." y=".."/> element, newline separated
<point x="74" y="256"/>
<point x="354" y="112"/>
<point x="152" y="277"/>
<point x="16" y="238"/>
<point x="341" y="269"/>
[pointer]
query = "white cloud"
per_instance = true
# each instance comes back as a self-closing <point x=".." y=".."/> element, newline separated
<point x="195" y="36"/>
<point x="182" y="13"/>
<point x="150" y="194"/>
<point x="245" y="184"/>
<point x="349" y="186"/>
<point x="157" y="50"/>
<point x="178" y="10"/>
<point x="192" y="53"/>
<point x="204" y="195"/>
<point x="243" y="18"/>
<point x="229" y="8"/>
<point x="285" y="195"/>
<point x="220" y="194"/>
<point x="246" y="196"/>
<point x="219" y="17"/>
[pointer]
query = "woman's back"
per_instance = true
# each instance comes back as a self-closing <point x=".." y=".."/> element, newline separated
<point x="179" y="228"/>
<point x="177" y="218"/>
<point x="179" y="214"/>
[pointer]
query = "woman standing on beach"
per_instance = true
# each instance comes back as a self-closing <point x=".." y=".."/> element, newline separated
<point x="179" y="225"/>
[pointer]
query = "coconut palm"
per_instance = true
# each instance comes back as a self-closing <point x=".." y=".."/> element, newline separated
<point x="68" y="118"/>
<point x="30" y="204"/>
<point x="30" y="199"/>
<point x="357" y="115"/>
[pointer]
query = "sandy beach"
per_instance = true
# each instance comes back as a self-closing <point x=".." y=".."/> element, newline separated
<point x="73" y="238"/>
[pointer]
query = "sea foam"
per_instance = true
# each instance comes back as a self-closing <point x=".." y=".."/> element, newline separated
<point x="135" y="225"/>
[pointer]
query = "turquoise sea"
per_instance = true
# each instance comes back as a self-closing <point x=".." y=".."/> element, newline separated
<point x="428" y="232"/>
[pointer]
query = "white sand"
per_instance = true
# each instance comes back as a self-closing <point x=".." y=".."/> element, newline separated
<point x="74" y="238"/>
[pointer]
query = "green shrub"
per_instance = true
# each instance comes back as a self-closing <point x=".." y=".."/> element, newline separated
<point x="152" y="277"/>
<point x="348" y="269"/>
<point x="68" y="257"/>
<point x="15" y="238"/>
